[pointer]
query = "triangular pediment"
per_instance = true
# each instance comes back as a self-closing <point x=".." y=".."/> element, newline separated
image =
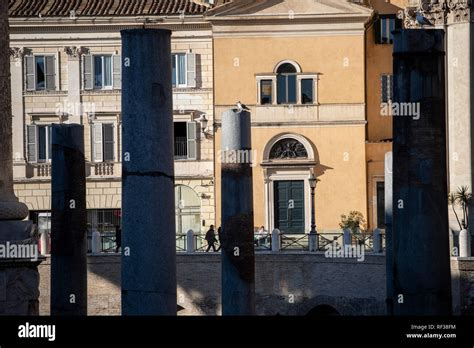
<point x="282" y="8"/>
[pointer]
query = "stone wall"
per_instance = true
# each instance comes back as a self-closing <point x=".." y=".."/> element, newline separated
<point x="462" y="270"/>
<point x="286" y="284"/>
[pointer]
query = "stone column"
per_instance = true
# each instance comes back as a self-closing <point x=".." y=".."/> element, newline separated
<point x="19" y="278"/>
<point x="238" y="257"/>
<point x="421" y="256"/>
<point x="148" y="209"/>
<point x="74" y="104"/>
<point x="68" y="221"/>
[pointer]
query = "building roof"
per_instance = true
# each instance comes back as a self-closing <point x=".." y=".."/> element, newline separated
<point x="102" y="8"/>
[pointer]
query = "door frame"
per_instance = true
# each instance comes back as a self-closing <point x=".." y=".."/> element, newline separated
<point x="303" y="201"/>
<point x="271" y="175"/>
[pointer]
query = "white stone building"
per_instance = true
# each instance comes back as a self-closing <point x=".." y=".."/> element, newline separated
<point x="65" y="67"/>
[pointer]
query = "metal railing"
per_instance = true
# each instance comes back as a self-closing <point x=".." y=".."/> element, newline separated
<point x="294" y="242"/>
<point x="180" y="148"/>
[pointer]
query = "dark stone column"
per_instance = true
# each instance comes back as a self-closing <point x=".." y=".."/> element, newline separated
<point x="148" y="209"/>
<point x="238" y="257"/>
<point x="68" y="221"/>
<point x="421" y="256"/>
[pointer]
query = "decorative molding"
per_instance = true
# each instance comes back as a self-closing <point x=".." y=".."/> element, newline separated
<point x="75" y="52"/>
<point x="441" y="12"/>
<point x="17" y="53"/>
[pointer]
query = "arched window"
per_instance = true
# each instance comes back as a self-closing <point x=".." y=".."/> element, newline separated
<point x="288" y="148"/>
<point x="188" y="210"/>
<point x="286" y="84"/>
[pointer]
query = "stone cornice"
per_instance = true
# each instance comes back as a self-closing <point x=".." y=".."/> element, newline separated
<point x="441" y="12"/>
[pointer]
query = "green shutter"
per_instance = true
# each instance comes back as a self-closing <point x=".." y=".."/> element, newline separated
<point x="87" y="80"/>
<point x="50" y="73"/>
<point x="30" y="73"/>
<point x="31" y="143"/>
<point x="192" y="144"/>
<point x="191" y="70"/>
<point x="117" y="65"/>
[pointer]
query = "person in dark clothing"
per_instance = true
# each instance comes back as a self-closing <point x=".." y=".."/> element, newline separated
<point x="118" y="238"/>
<point x="219" y="237"/>
<point x="211" y="239"/>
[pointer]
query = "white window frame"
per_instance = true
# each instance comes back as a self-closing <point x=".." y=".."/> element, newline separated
<point x="56" y="70"/>
<point x="111" y="55"/>
<point x="116" y="132"/>
<point x="48" y="136"/>
<point x="299" y="77"/>
<point x="174" y="56"/>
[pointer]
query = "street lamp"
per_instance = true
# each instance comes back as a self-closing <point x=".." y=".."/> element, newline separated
<point x="313" y="235"/>
<point x="203" y="123"/>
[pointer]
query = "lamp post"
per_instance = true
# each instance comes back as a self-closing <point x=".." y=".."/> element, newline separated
<point x="313" y="235"/>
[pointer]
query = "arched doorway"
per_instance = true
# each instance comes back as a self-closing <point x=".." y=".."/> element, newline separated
<point x="287" y="163"/>
<point x="188" y="209"/>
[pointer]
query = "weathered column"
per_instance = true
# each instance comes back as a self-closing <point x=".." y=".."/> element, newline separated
<point x="73" y="106"/>
<point x="68" y="221"/>
<point x="19" y="277"/>
<point x="148" y="209"/>
<point x="238" y="257"/>
<point x="421" y="256"/>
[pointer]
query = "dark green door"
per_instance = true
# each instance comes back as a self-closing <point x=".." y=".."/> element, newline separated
<point x="289" y="206"/>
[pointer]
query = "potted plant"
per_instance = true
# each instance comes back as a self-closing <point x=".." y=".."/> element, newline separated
<point x="354" y="222"/>
<point x="462" y="198"/>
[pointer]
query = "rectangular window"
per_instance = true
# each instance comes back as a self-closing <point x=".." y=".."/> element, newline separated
<point x="386" y="88"/>
<point x="179" y="69"/>
<point x="384" y="27"/>
<point x="286" y="87"/>
<point x="180" y="141"/>
<point x="266" y="92"/>
<point x="185" y="140"/>
<point x="380" y="205"/>
<point x="103" y="142"/>
<point x="102" y="71"/>
<point x="44" y="143"/>
<point x="307" y="93"/>
<point x="40" y="73"/>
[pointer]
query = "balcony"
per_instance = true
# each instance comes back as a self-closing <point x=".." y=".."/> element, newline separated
<point x="103" y="169"/>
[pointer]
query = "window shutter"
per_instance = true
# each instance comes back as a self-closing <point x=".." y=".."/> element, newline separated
<point x="191" y="69"/>
<point x="390" y="87"/>
<point x="191" y="135"/>
<point x="97" y="153"/>
<point x="31" y="143"/>
<point x="30" y="73"/>
<point x="50" y="73"/>
<point x="108" y="140"/>
<point x="384" y="88"/>
<point x="87" y="72"/>
<point x="117" y="64"/>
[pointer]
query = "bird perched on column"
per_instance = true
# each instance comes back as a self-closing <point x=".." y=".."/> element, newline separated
<point x="241" y="107"/>
<point x="422" y="20"/>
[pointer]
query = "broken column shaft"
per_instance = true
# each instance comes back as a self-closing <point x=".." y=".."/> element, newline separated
<point x="238" y="257"/>
<point x="421" y="257"/>
<point x="148" y="209"/>
<point x="68" y="221"/>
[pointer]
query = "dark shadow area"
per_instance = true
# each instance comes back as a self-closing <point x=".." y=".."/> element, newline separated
<point x="323" y="311"/>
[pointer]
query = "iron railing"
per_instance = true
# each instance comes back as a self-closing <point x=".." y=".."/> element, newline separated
<point x="180" y="148"/>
